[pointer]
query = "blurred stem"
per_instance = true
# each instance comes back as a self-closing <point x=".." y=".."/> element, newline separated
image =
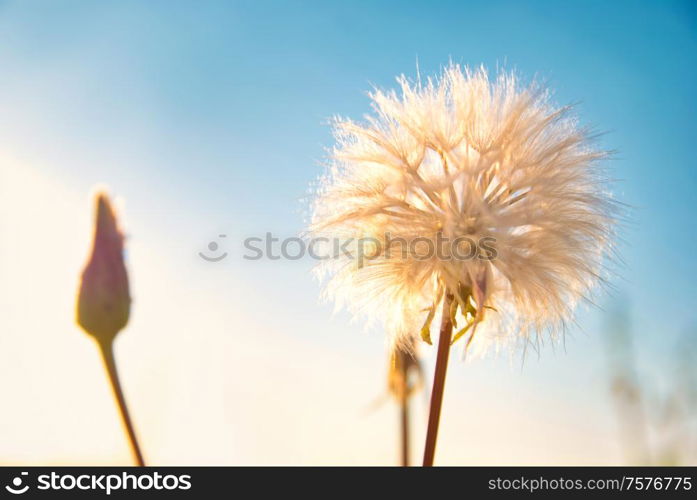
<point x="446" y="333"/>
<point x="404" y="411"/>
<point x="107" y="349"/>
<point x="405" y="432"/>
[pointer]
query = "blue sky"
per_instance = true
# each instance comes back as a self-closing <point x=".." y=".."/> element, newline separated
<point x="224" y="106"/>
<point x="211" y="118"/>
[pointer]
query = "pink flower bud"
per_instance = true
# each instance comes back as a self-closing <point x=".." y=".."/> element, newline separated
<point x="104" y="301"/>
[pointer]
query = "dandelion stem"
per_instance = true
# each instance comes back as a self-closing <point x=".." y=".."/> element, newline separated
<point x="446" y="332"/>
<point x="107" y="349"/>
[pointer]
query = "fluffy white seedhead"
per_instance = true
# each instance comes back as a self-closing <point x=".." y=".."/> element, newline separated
<point x="451" y="162"/>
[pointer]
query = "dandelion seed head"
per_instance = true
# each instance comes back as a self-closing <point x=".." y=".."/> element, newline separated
<point x="465" y="156"/>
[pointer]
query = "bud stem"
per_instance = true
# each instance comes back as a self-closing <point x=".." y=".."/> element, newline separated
<point x="107" y="350"/>
<point x="446" y="332"/>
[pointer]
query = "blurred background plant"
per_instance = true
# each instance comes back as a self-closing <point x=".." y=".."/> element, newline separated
<point x="405" y="378"/>
<point x="656" y="417"/>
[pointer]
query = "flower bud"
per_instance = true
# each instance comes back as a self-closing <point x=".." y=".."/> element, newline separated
<point x="104" y="301"/>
